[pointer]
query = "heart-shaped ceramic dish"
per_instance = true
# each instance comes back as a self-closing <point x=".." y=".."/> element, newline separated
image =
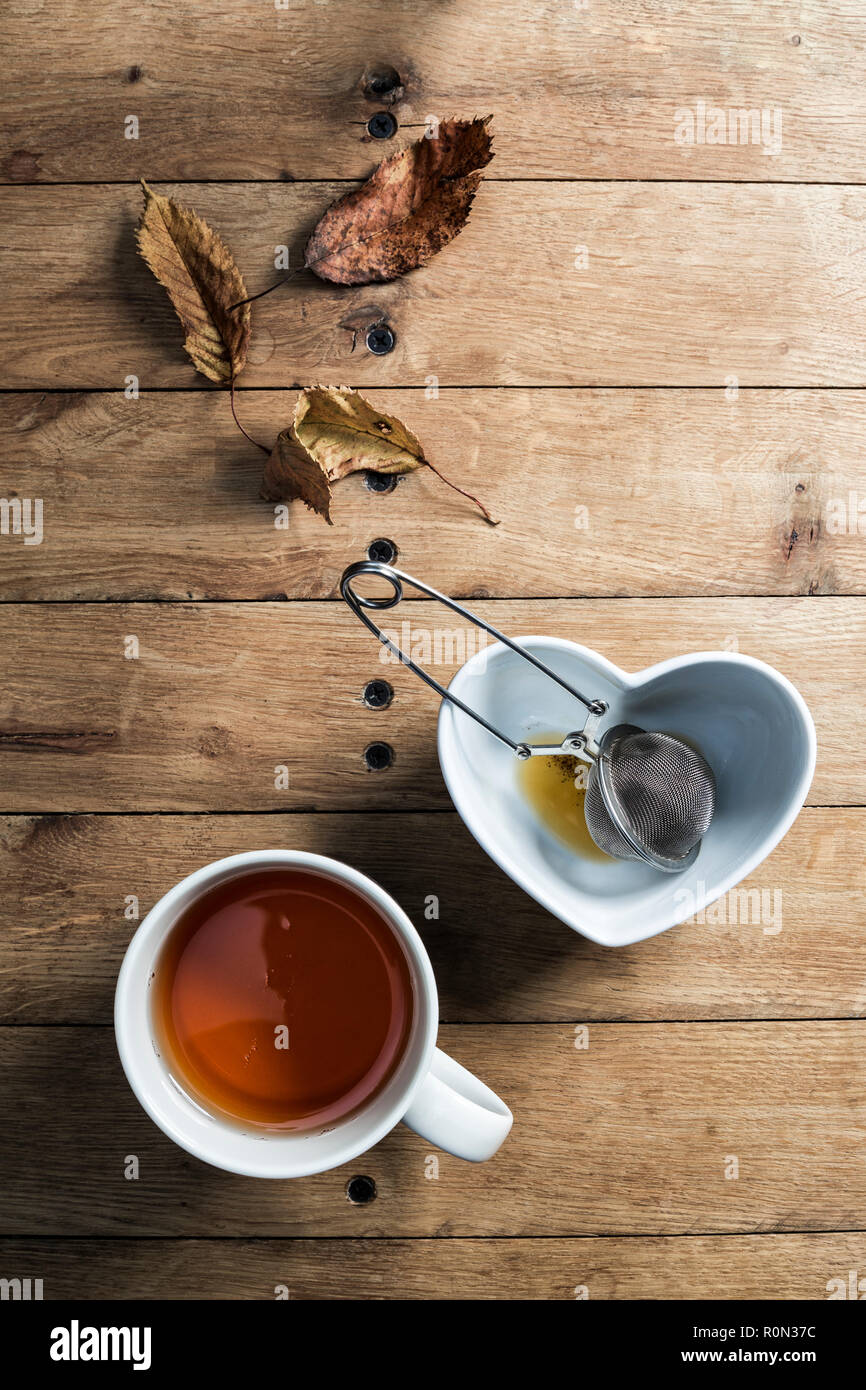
<point x="749" y="722"/>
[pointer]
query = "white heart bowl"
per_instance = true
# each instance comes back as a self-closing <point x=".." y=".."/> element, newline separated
<point x="750" y="723"/>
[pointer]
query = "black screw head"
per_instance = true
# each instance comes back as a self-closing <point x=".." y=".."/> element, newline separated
<point x="361" y="1190"/>
<point x="378" y="756"/>
<point x="382" y="125"/>
<point x="380" y="482"/>
<point x="380" y="339"/>
<point x="382" y="550"/>
<point x="378" y="694"/>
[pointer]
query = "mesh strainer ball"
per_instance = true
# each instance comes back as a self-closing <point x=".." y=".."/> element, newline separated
<point x="649" y="797"/>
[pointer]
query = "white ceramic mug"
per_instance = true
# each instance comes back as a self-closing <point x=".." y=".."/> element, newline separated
<point x="434" y="1095"/>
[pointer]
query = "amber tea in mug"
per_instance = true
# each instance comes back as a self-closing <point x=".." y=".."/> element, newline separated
<point x="282" y="999"/>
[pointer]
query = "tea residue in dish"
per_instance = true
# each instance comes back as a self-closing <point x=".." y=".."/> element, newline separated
<point x="555" y="788"/>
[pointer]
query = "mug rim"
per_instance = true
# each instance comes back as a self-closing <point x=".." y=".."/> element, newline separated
<point x="281" y="1155"/>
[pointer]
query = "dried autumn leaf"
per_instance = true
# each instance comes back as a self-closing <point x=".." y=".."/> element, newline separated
<point x="413" y="205"/>
<point x="291" y="473"/>
<point x="336" y="431"/>
<point x="345" y="434"/>
<point x="196" y="268"/>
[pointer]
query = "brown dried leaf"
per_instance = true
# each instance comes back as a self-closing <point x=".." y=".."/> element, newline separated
<point x="335" y="432"/>
<point x="413" y="205"/>
<point x="292" y="473"/>
<point x="198" y="271"/>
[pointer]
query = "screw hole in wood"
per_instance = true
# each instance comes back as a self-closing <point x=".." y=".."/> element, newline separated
<point x="378" y="694"/>
<point x="380" y="482"/>
<point x="378" y="756"/>
<point x="361" y="1190"/>
<point x="382" y="83"/>
<point x="382" y="550"/>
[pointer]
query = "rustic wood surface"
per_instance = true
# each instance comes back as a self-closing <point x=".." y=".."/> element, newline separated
<point x="656" y="493"/>
<point x="648" y="359"/>
<point x="799" y="1266"/>
<point x="686" y="284"/>
<point x="631" y="1134"/>
<point x="222" y="695"/>
<point x="284" y="90"/>
<point x="68" y="880"/>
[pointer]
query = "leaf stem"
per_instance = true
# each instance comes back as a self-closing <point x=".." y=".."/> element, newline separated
<point x="261" y="294"/>
<point x="463" y="493"/>
<point x="263" y="448"/>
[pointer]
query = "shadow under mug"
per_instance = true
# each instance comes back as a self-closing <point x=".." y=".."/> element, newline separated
<point x="428" y="1091"/>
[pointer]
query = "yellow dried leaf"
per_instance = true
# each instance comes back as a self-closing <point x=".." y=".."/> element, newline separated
<point x="344" y="433"/>
<point x="335" y="432"/>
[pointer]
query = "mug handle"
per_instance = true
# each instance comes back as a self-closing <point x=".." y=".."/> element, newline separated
<point x="457" y="1112"/>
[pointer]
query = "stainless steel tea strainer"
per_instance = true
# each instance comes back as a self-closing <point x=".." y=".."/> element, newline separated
<point x="649" y="796"/>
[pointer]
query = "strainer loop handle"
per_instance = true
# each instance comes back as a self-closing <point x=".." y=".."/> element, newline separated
<point x="397" y="578"/>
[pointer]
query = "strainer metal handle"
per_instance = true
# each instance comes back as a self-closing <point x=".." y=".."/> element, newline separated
<point x="578" y="743"/>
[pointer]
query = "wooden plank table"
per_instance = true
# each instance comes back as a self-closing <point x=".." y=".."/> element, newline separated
<point x="648" y="358"/>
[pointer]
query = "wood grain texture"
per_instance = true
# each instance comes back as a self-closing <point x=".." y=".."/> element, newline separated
<point x="278" y="92"/>
<point x="630" y="1136"/>
<point x="68" y="882"/>
<point x="597" y="492"/>
<point x="222" y="696"/>
<point x="685" y="285"/>
<point x="721" y="511"/>
<point x="660" y="1267"/>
